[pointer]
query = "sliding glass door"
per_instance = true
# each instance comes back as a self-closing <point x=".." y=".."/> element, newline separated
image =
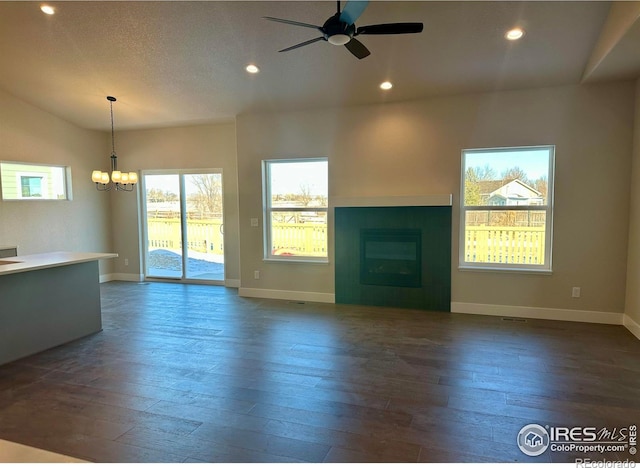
<point x="184" y="229"/>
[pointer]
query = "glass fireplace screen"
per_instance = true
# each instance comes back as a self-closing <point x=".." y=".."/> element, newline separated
<point x="391" y="257"/>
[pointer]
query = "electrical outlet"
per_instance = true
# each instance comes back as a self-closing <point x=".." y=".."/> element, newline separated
<point x="256" y="274"/>
<point x="575" y="291"/>
<point x="126" y="262"/>
<point x="254" y="222"/>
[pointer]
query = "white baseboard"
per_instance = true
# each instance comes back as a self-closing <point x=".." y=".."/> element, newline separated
<point x="287" y="295"/>
<point x="631" y="325"/>
<point x="125" y="277"/>
<point x="108" y="277"/>
<point x="229" y="283"/>
<point x="570" y="315"/>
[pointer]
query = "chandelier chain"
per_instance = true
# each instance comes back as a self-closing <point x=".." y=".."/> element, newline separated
<point x="113" y="138"/>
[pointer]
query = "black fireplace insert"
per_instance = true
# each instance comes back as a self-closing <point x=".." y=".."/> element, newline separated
<point x="391" y="257"/>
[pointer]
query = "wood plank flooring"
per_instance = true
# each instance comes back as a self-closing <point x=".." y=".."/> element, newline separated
<point x="194" y="373"/>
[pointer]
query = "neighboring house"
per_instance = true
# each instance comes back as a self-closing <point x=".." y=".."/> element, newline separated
<point x="514" y="192"/>
<point x="23" y="181"/>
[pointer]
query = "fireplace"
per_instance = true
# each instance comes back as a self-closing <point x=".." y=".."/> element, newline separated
<point x="395" y="256"/>
<point x="391" y="257"/>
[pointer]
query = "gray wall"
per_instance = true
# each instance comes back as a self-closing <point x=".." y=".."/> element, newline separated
<point x="410" y="148"/>
<point x="632" y="306"/>
<point x="414" y="148"/>
<point x="196" y="147"/>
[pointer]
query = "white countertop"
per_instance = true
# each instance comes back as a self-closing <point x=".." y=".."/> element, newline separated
<point x="48" y="260"/>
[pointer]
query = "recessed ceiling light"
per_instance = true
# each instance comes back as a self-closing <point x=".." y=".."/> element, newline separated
<point x="47" y="9"/>
<point x="386" y="85"/>
<point x="514" y="34"/>
<point x="252" y="69"/>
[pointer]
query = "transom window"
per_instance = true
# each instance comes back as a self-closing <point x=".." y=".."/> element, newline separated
<point x="26" y="181"/>
<point x="507" y="208"/>
<point x="295" y="209"/>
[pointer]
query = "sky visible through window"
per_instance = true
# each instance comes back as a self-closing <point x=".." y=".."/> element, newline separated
<point x="534" y="162"/>
<point x="288" y="177"/>
<point x="162" y="182"/>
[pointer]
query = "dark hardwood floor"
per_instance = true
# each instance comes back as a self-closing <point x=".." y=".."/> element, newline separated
<point x="193" y="373"/>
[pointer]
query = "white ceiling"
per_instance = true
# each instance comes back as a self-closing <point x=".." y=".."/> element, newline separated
<point x="175" y="63"/>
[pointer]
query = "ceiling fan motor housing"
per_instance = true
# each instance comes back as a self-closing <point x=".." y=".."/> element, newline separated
<point x="334" y="27"/>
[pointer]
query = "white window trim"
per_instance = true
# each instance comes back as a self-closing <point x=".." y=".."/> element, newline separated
<point x="267" y="210"/>
<point x="546" y="268"/>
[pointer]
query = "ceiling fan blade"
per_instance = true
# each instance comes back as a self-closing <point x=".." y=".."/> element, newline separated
<point x="390" y="28"/>
<point x="352" y="10"/>
<point x="294" y="23"/>
<point x="357" y="48"/>
<point x="311" y="41"/>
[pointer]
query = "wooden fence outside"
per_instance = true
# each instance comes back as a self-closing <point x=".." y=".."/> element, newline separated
<point x="520" y="245"/>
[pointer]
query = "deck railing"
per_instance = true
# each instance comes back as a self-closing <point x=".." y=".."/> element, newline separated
<point x="202" y="235"/>
<point x="520" y="245"/>
<point x="308" y="239"/>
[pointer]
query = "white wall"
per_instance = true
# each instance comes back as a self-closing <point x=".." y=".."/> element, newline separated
<point x="414" y="148"/>
<point x="29" y="134"/>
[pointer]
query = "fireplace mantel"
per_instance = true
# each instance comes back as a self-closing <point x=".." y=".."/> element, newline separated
<point x="420" y="200"/>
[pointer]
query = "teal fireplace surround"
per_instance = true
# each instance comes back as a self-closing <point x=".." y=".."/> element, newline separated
<point x="433" y="223"/>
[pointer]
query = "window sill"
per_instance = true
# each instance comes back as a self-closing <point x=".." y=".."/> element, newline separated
<point x="320" y="261"/>
<point x="487" y="269"/>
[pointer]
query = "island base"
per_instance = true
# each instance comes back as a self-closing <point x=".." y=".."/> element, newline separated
<point x="45" y="308"/>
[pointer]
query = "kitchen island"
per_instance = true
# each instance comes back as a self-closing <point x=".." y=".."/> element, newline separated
<point x="47" y="300"/>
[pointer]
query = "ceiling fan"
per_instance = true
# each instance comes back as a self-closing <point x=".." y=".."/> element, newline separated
<point x="340" y="29"/>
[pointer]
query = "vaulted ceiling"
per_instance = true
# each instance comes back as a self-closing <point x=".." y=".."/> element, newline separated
<point x="174" y="63"/>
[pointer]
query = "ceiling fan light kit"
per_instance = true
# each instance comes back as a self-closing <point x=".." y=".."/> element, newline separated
<point x="340" y="29"/>
<point x="339" y="39"/>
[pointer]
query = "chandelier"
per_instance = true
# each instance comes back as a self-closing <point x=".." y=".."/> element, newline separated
<point x="124" y="181"/>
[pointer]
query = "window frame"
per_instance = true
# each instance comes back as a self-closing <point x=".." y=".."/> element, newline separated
<point x="267" y="210"/>
<point x="22" y="169"/>
<point x="545" y="268"/>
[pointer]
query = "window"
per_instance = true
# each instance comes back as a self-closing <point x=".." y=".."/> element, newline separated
<point x="31" y="186"/>
<point x="507" y="208"/>
<point x="22" y="181"/>
<point x="295" y="209"/>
